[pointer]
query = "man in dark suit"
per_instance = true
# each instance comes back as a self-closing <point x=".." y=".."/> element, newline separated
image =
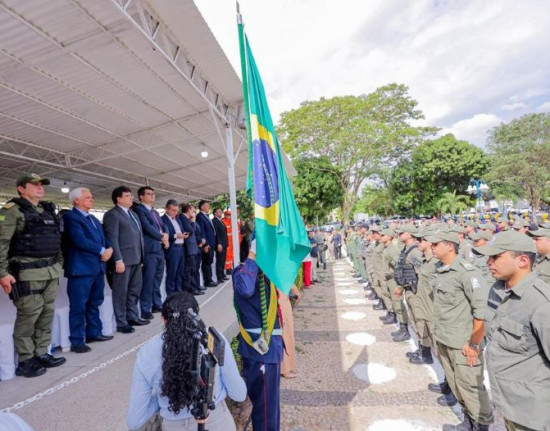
<point x="221" y="248"/>
<point x="155" y="241"/>
<point x="192" y="250"/>
<point x="209" y="234"/>
<point x="123" y="230"/>
<point x="86" y="251"/>
<point x="175" y="253"/>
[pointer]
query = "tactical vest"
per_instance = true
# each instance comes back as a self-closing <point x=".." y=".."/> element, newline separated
<point x="41" y="237"/>
<point x="404" y="274"/>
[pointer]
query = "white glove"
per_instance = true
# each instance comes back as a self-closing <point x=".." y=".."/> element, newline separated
<point x="253" y="246"/>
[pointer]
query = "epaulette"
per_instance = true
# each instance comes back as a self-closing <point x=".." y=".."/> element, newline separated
<point x="467" y="265"/>
<point x="8" y="205"/>
<point x="542" y="287"/>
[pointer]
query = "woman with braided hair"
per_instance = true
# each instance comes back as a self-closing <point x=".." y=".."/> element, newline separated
<point x="162" y="383"/>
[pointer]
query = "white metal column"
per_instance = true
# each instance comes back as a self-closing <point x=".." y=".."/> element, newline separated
<point x="232" y="191"/>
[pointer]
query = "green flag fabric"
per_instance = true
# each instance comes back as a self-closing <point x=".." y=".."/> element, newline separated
<point x="281" y="237"/>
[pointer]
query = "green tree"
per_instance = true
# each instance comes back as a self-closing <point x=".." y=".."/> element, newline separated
<point x="451" y="203"/>
<point x="356" y="134"/>
<point x="520" y="155"/>
<point x="245" y="205"/>
<point x="316" y="187"/>
<point x="436" y="167"/>
<point x="374" y="201"/>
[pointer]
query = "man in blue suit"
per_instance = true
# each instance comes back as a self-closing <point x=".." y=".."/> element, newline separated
<point x="155" y="239"/>
<point x="192" y="247"/>
<point x="209" y="234"/>
<point x="86" y="250"/>
<point x="175" y="254"/>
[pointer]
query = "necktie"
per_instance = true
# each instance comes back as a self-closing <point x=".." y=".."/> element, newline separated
<point x="133" y="220"/>
<point x="156" y="218"/>
<point x="91" y="220"/>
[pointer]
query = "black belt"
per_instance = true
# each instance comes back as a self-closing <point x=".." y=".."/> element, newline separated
<point x="179" y="245"/>
<point x="20" y="266"/>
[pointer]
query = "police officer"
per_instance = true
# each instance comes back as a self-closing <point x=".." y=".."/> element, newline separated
<point x="369" y="255"/>
<point x="390" y="257"/>
<point x="518" y="352"/>
<point x="260" y="341"/>
<point x="521" y="226"/>
<point x="30" y="267"/>
<point x="380" y="279"/>
<point x="465" y="246"/>
<point x="406" y="277"/>
<point x="541" y="237"/>
<point x="481" y="238"/>
<point x="460" y="302"/>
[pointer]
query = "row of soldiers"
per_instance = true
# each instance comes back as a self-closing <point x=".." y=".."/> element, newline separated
<point x="466" y="290"/>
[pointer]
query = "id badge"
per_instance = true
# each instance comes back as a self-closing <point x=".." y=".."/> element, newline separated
<point x="260" y="345"/>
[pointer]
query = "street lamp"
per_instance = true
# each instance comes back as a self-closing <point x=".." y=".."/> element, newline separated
<point x="478" y="187"/>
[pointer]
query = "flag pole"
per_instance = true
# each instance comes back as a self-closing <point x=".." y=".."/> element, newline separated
<point x="246" y="100"/>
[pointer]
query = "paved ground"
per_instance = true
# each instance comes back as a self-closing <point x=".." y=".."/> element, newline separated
<point x="351" y="375"/>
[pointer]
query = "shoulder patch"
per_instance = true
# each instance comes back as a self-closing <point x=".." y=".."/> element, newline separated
<point x="416" y="262"/>
<point x="8" y="205"/>
<point x="475" y="283"/>
<point x="467" y="265"/>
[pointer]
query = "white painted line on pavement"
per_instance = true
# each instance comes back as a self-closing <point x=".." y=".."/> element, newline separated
<point x="399" y="424"/>
<point x="93" y="370"/>
<point x="355" y="301"/>
<point x="348" y="292"/>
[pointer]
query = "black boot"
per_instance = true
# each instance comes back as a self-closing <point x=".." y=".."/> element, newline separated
<point x="425" y="357"/>
<point x="440" y="388"/>
<point x="379" y="306"/>
<point x="324" y="265"/>
<point x="394" y="333"/>
<point x="389" y="318"/>
<point x="412" y="354"/>
<point x="30" y="368"/>
<point x="49" y="361"/>
<point x="373" y="296"/>
<point x="447" y="400"/>
<point x="465" y="425"/>
<point x="479" y="427"/>
<point x="403" y="333"/>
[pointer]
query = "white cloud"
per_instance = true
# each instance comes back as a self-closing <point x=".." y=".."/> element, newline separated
<point x="544" y="107"/>
<point x="459" y="59"/>
<point x="514" y="106"/>
<point x="474" y="129"/>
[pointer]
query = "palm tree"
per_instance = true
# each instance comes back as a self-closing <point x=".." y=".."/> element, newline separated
<point x="451" y="203"/>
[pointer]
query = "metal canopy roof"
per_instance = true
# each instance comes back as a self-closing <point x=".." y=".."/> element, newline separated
<point x="101" y="93"/>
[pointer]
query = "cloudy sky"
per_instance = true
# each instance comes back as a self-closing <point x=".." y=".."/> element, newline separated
<point x="470" y="64"/>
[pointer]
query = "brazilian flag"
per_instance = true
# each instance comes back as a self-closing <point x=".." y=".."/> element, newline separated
<point x="281" y="237"/>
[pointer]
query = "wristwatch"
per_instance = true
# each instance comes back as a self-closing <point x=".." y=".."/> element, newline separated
<point x="474" y="346"/>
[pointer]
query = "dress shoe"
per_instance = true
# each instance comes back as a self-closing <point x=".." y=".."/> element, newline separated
<point x="138" y="322"/>
<point x="49" y="361"/>
<point x="156" y="310"/>
<point x="465" y="425"/>
<point x="148" y="316"/>
<point x="225" y="278"/>
<point x="447" y="400"/>
<point x="125" y="329"/>
<point x="202" y="288"/>
<point x="81" y="348"/>
<point x="440" y="388"/>
<point x="30" y="368"/>
<point x="99" y="338"/>
<point x="211" y="284"/>
<point x="197" y="292"/>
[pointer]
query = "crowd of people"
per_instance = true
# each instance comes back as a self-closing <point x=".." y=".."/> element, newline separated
<point x="132" y="248"/>
<point x="476" y="295"/>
